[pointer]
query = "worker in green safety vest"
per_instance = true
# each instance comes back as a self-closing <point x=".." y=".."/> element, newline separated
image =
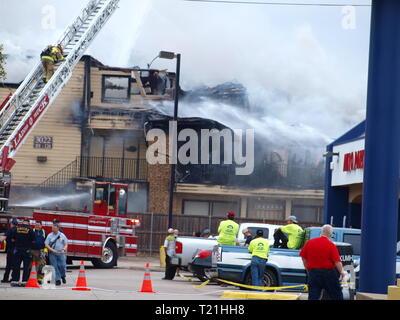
<point x="289" y="236"/>
<point x="259" y="249"/>
<point x="228" y="230"/>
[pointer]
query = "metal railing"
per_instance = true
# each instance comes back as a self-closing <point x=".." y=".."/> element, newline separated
<point x="134" y="170"/>
<point x="113" y="168"/>
<point x="267" y="175"/>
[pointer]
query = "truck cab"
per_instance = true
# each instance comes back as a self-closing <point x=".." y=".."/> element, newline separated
<point x="110" y="199"/>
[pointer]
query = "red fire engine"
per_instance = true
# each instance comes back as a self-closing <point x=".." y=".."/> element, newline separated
<point x="101" y="231"/>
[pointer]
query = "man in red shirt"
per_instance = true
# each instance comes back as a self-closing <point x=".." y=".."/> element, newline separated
<point x="322" y="262"/>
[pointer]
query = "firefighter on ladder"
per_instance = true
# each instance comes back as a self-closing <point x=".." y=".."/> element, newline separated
<point x="50" y="56"/>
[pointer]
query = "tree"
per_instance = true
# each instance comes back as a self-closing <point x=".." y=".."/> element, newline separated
<point x="3" y="73"/>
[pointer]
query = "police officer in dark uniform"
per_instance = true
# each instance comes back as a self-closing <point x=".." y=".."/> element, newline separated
<point x="10" y="246"/>
<point x="24" y="238"/>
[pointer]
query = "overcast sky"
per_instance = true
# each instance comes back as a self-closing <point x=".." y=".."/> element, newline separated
<point x="299" y="63"/>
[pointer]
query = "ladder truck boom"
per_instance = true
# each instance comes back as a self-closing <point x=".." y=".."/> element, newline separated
<point x="33" y="97"/>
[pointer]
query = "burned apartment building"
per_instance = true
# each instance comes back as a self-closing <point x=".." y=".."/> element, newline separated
<point x="97" y="129"/>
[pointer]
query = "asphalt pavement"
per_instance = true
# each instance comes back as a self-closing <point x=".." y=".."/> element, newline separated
<point x="121" y="283"/>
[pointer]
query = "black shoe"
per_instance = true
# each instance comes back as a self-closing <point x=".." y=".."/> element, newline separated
<point x="58" y="283"/>
<point x="5" y="281"/>
<point x="22" y="284"/>
<point x="14" y="284"/>
<point x="63" y="280"/>
<point x="165" y="279"/>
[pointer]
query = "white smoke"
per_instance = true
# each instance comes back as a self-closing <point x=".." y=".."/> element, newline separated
<point x="300" y="68"/>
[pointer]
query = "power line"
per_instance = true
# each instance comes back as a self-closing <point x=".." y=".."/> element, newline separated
<point x="280" y="3"/>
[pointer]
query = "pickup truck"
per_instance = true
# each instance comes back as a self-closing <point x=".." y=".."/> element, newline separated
<point x="187" y="248"/>
<point x="285" y="267"/>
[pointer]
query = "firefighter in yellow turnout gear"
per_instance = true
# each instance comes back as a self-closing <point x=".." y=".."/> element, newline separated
<point x="50" y="56"/>
<point x="228" y="230"/>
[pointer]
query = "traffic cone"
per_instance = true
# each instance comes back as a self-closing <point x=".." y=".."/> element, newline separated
<point x="81" y="284"/>
<point x="147" y="286"/>
<point x="32" y="281"/>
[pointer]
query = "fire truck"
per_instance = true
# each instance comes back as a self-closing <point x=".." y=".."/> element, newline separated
<point x="101" y="232"/>
<point x="97" y="228"/>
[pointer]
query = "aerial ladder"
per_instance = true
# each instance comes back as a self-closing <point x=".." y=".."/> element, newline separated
<point x="24" y="109"/>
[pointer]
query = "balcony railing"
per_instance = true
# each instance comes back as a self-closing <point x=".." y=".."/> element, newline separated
<point x="129" y="170"/>
<point x="113" y="168"/>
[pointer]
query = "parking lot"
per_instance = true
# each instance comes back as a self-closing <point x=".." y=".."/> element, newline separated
<point x="121" y="283"/>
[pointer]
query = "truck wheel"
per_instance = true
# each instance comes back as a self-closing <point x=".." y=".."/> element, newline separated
<point x="109" y="257"/>
<point x="269" y="279"/>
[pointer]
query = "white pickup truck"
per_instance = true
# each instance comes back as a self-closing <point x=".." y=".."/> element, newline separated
<point x="188" y="247"/>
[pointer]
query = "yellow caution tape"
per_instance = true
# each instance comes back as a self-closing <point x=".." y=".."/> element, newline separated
<point x="253" y="287"/>
<point x="256" y="287"/>
<point x="262" y="288"/>
<point x="202" y="285"/>
<point x="186" y="278"/>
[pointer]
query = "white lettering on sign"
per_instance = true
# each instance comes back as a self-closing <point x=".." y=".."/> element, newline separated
<point x="43" y="142"/>
<point x="30" y="122"/>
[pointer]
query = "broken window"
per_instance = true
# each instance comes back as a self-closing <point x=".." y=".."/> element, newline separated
<point x="116" y="89"/>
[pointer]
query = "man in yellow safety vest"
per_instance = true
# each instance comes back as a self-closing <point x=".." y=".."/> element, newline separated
<point x="289" y="236"/>
<point x="50" y="56"/>
<point x="259" y="249"/>
<point x="228" y="230"/>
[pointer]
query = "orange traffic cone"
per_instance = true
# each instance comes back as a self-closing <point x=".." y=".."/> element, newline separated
<point x="147" y="286"/>
<point x="81" y="284"/>
<point x="32" y="281"/>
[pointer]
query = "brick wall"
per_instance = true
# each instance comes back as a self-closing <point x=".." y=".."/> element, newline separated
<point x="159" y="178"/>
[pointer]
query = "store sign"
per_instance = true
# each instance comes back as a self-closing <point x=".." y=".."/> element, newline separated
<point x="348" y="167"/>
<point x="354" y="161"/>
<point x="43" y="142"/>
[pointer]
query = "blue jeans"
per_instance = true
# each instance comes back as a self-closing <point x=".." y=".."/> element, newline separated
<point x="257" y="270"/>
<point x="327" y="279"/>
<point x="59" y="262"/>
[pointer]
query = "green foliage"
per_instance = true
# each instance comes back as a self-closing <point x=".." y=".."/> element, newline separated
<point x="3" y="73"/>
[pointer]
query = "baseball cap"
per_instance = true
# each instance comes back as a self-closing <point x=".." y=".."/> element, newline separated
<point x="170" y="230"/>
<point x="260" y="233"/>
<point x="292" y="218"/>
<point x="230" y="214"/>
<point x="206" y="231"/>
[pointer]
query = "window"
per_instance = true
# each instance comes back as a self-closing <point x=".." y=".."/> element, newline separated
<point x="219" y="209"/>
<point x="101" y="193"/>
<point x="206" y="208"/>
<point x="354" y="240"/>
<point x="253" y="231"/>
<point x="116" y="89"/>
<point x="307" y="213"/>
<point x="111" y="203"/>
<point x="196" y="208"/>
<point x="122" y="201"/>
